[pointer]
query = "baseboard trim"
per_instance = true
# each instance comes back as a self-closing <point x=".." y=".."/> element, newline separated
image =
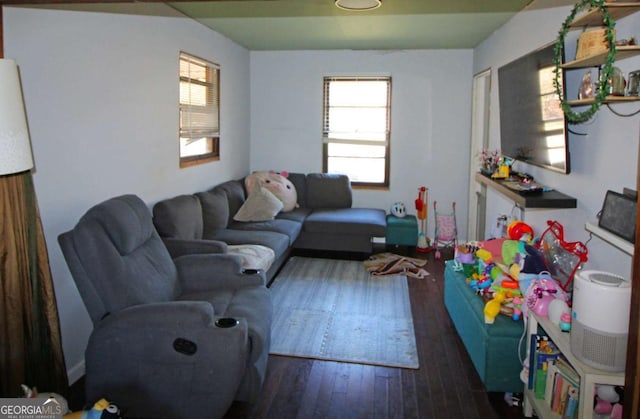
<point x="76" y="372"/>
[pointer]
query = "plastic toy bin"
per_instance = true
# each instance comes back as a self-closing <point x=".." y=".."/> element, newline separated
<point x="402" y="231"/>
<point x="493" y="348"/>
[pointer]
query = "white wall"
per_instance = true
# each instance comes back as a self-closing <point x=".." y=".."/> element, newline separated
<point x="430" y="124"/>
<point x="101" y="93"/>
<point x="605" y="158"/>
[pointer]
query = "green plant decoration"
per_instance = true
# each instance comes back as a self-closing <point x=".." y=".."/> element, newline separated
<point x="606" y="72"/>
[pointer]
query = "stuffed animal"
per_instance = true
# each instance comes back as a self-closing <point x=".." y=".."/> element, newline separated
<point x="398" y="210"/>
<point x="277" y="184"/>
<point x="102" y="409"/>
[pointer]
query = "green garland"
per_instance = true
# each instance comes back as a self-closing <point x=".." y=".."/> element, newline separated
<point x="606" y="72"/>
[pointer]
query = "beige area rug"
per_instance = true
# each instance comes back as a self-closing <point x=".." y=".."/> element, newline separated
<point x="334" y="310"/>
<point x="391" y="264"/>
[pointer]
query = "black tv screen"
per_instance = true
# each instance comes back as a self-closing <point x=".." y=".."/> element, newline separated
<point x="533" y="128"/>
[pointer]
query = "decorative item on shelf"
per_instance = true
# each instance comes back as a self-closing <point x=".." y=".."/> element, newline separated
<point x="602" y="86"/>
<point x="586" y="86"/>
<point x="504" y="168"/>
<point x="593" y="42"/>
<point x="633" y="88"/>
<point x="489" y="161"/>
<point x="617" y="83"/>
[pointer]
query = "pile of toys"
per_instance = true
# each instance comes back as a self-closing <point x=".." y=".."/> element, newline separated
<point x="512" y="274"/>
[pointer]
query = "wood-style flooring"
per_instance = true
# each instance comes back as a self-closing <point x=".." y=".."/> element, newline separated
<point x="445" y="386"/>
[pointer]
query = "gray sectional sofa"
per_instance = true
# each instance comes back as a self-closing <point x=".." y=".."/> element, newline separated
<point x="324" y="220"/>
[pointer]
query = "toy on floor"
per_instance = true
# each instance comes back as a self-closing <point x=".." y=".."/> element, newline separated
<point x="424" y="244"/>
<point x="102" y="409"/>
<point x="446" y="233"/>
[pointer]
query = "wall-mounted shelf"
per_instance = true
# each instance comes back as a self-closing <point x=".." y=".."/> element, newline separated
<point x="610" y="238"/>
<point x="593" y="18"/>
<point x="608" y="99"/>
<point x="623" y="51"/>
<point x="549" y="200"/>
<point x="616" y="11"/>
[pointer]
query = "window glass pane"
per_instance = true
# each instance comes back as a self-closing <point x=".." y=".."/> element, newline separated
<point x="358" y="169"/>
<point x="362" y="163"/>
<point x="195" y="146"/>
<point x="358" y="123"/>
<point x="199" y="108"/>
<point x="358" y="93"/>
<point x="357" y="110"/>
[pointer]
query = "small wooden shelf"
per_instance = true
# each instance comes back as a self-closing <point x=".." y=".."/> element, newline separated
<point x="616" y="11"/>
<point x="624" y="51"/>
<point x="608" y="99"/>
<point x="550" y="200"/>
<point x="589" y="376"/>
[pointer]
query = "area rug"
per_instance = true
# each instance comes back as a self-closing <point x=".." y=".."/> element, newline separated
<point x="391" y="264"/>
<point x="334" y="310"/>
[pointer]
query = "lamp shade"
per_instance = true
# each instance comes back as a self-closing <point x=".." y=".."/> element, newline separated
<point x="15" y="148"/>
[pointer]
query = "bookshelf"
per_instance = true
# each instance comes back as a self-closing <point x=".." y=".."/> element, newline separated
<point x="589" y="376"/>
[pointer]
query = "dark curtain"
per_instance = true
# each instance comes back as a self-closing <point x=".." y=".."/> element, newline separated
<point x="30" y="340"/>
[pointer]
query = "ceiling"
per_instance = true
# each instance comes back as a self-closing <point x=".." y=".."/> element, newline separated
<point x="320" y="25"/>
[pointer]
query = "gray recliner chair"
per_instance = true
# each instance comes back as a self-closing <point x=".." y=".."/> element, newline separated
<point x="172" y="338"/>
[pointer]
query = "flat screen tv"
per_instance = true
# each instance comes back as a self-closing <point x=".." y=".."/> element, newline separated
<point x="533" y="128"/>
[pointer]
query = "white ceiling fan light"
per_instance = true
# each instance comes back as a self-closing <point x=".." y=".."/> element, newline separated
<point x="358" y="5"/>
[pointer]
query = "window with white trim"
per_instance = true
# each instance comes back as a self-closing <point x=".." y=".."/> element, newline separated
<point x="199" y="110"/>
<point x="356" y="128"/>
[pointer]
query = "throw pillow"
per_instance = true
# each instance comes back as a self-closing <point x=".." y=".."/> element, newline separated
<point x="261" y="205"/>
<point x="277" y="183"/>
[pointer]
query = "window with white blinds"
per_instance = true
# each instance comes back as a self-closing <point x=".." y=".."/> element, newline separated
<point x="356" y="128"/>
<point x="199" y="110"/>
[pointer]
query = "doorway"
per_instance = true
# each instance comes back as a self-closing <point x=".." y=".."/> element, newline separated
<point x="479" y="140"/>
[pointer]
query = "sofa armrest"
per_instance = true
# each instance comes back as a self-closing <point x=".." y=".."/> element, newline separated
<point x="180" y="247"/>
<point x="204" y="272"/>
<point x="141" y="354"/>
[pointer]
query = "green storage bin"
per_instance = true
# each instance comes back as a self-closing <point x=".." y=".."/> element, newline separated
<point x="402" y="231"/>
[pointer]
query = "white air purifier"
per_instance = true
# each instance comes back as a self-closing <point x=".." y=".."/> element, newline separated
<point x="600" y="319"/>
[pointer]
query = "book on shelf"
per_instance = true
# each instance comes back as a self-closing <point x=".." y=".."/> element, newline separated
<point x="562" y="397"/>
<point x="545" y="355"/>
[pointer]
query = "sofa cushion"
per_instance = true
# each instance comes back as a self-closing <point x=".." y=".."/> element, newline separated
<point x="277" y="241"/>
<point x="261" y="205"/>
<point x="215" y="210"/>
<point x="179" y="217"/>
<point x="324" y="190"/>
<point x="236" y="195"/>
<point x="290" y="228"/>
<point x="299" y="181"/>
<point x="298" y="215"/>
<point x="363" y="221"/>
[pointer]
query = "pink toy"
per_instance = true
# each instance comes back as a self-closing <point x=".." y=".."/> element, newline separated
<point x="277" y="184"/>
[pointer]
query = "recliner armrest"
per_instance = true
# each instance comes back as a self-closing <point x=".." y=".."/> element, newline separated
<point x="143" y="354"/>
<point x="203" y="272"/>
<point x="180" y="247"/>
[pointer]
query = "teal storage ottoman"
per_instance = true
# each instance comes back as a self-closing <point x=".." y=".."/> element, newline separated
<point x="493" y="348"/>
<point x="402" y="231"/>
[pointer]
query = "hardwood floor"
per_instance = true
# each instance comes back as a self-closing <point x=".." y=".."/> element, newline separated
<point x="445" y="386"/>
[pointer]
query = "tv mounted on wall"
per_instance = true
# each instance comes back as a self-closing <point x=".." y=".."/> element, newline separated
<point x="533" y="128"/>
